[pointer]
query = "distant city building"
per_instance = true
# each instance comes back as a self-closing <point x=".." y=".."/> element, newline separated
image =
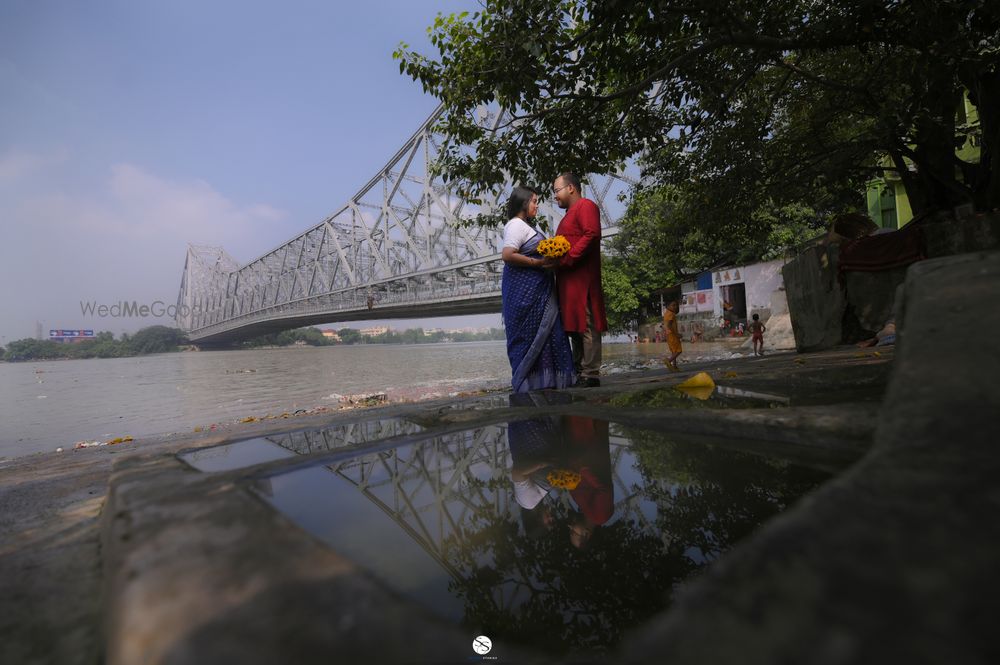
<point x="374" y="331"/>
<point x="432" y="331"/>
<point x="331" y="335"/>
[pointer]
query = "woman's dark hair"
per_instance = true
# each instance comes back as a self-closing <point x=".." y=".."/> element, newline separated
<point x="534" y="521"/>
<point x="519" y="200"/>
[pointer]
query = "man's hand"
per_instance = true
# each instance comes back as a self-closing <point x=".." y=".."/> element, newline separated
<point x="551" y="262"/>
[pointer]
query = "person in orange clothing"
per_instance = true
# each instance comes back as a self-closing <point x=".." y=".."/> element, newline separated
<point x="673" y="336"/>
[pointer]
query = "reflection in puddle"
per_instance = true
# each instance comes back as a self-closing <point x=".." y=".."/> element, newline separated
<point x="346" y="434"/>
<point x="235" y="455"/>
<point x="561" y="532"/>
<point x="738" y="392"/>
<point x="719" y="397"/>
<point x="242" y="454"/>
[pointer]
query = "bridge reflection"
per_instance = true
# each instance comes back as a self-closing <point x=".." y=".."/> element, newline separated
<point x="438" y="517"/>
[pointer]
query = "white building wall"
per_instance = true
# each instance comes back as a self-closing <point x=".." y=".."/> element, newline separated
<point x="762" y="279"/>
<point x="759" y="280"/>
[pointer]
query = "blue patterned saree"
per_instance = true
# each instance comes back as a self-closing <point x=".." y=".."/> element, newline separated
<point x="537" y="347"/>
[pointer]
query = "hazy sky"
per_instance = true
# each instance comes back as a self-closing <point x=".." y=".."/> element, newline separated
<point x="130" y="128"/>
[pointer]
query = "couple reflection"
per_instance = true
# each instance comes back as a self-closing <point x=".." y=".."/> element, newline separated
<point x="558" y="455"/>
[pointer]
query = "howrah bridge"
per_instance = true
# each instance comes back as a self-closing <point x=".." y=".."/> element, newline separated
<point x="397" y="249"/>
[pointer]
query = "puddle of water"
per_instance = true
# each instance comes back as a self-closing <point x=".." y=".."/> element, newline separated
<point x="235" y="455"/>
<point x="345" y="434"/>
<point x="751" y="394"/>
<point x="242" y="454"/>
<point x="560" y="532"/>
<point x="720" y="398"/>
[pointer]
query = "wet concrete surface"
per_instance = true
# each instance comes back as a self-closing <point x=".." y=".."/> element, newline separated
<point x="193" y="565"/>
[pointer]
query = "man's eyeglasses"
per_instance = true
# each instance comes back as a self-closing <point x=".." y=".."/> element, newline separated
<point x="556" y="190"/>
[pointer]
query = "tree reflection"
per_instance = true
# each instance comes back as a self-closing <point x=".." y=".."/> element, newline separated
<point x="534" y="586"/>
<point x="709" y="497"/>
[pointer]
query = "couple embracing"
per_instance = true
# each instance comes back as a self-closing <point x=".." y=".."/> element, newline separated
<point x="553" y="308"/>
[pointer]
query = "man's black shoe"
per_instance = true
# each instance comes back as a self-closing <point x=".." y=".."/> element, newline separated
<point x="587" y="382"/>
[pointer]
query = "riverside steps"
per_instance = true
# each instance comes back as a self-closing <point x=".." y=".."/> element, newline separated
<point x="226" y="546"/>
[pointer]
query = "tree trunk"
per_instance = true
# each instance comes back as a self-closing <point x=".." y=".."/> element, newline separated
<point x="984" y="93"/>
<point x="935" y="147"/>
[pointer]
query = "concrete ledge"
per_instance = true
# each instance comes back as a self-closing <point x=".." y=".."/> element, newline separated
<point x="199" y="571"/>
<point x="896" y="560"/>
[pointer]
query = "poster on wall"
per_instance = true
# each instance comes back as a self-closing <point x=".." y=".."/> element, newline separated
<point x="697" y="301"/>
<point x="728" y="276"/>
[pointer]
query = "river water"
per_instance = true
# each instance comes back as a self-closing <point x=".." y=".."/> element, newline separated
<point x="51" y="404"/>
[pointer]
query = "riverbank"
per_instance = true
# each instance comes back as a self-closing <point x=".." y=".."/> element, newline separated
<point x="173" y="565"/>
<point x="54" y="503"/>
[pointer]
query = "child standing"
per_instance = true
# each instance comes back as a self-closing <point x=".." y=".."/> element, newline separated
<point x="757" y="330"/>
<point x="673" y="336"/>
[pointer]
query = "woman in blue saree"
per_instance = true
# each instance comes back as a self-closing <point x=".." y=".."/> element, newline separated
<point x="537" y="346"/>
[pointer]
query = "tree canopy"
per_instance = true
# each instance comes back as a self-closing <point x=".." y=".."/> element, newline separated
<point x="742" y="104"/>
<point x="153" y="339"/>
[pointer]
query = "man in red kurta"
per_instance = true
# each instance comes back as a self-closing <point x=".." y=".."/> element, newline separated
<point x="578" y="278"/>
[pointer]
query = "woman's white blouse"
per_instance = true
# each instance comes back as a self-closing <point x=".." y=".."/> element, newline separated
<point x="516" y="232"/>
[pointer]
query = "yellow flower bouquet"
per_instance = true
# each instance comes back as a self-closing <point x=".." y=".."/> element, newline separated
<point x="563" y="479"/>
<point x="553" y="247"/>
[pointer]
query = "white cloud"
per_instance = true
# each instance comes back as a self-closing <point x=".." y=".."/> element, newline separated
<point x="125" y="240"/>
<point x="16" y="165"/>
<point x="147" y="205"/>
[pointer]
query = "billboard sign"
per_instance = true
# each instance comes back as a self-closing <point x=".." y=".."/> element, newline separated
<point x="71" y="334"/>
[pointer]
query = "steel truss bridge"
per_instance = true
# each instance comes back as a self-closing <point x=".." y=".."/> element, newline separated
<point x="396" y="249"/>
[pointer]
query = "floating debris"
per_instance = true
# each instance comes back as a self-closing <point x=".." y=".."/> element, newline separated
<point x="364" y="399"/>
<point x="110" y="442"/>
<point x="700" y="386"/>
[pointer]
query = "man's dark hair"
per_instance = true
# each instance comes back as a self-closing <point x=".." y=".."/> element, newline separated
<point x="519" y="200"/>
<point x="570" y="178"/>
<point x="756" y="316"/>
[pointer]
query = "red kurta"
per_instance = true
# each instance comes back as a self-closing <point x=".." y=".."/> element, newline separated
<point x="579" y="276"/>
